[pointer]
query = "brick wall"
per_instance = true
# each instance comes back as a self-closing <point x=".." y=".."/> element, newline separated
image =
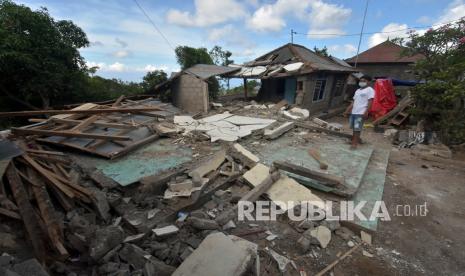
<point x="190" y="94"/>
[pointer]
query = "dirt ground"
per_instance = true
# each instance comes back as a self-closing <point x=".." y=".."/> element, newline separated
<point x="415" y="245"/>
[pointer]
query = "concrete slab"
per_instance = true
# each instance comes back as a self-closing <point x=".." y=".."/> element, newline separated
<point x="244" y="120"/>
<point x="280" y="130"/>
<point x="372" y="187"/>
<point x="219" y="254"/>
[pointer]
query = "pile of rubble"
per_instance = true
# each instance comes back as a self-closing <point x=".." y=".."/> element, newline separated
<point x="181" y="221"/>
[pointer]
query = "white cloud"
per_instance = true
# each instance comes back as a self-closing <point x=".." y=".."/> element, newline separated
<point x="207" y="13"/>
<point x="230" y="35"/>
<point x="328" y="18"/>
<point x="454" y="11"/>
<point x="151" y="67"/>
<point x="322" y="17"/>
<point x="391" y="30"/>
<point x="345" y="50"/>
<point x="424" y="20"/>
<point x="116" y="67"/>
<point x="121" y="42"/>
<point x="271" y="17"/>
<point x="121" y="54"/>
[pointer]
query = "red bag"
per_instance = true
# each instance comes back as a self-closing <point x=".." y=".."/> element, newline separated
<point x="384" y="100"/>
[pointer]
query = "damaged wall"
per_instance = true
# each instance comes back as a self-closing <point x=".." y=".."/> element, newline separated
<point x="190" y="94"/>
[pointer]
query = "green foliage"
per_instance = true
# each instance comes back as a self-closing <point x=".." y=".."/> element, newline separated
<point x="152" y="79"/>
<point x="220" y="56"/>
<point x="251" y="85"/>
<point x="322" y="52"/>
<point x="440" y="100"/>
<point x="188" y="56"/>
<point x="39" y="57"/>
<point x="96" y="89"/>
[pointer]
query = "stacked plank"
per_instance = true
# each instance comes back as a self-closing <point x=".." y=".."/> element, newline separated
<point x="35" y="180"/>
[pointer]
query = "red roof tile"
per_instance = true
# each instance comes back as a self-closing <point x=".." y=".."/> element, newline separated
<point x="386" y="52"/>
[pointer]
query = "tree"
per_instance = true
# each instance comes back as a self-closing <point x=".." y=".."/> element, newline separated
<point x="440" y="99"/>
<point x="322" y="52"/>
<point x="152" y="79"/>
<point x="188" y="57"/>
<point x="39" y="57"/>
<point x="221" y="57"/>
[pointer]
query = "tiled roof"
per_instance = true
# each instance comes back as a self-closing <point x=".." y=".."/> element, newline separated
<point x="386" y="52"/>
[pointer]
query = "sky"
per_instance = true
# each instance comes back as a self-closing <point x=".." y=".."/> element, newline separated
<point x="126" y="45"/>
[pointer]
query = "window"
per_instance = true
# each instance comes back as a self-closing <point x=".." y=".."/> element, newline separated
<point x="339" y="87"/>
<point x="319" y="91"/>
<point x="300" y="85"/>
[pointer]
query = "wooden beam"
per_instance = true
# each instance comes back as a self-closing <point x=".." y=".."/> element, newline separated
<point x="85" y="123"/>
<point x="135" y="145"/>
<point x="328" y="179"/>
<point x="27" y="212"/>
<point x="9" y="213"/>
<point x="82" y="112"/>
<point x="316" y="155"/>
<point x="118" y="101"/>
<point x="59" y="153"/>
<point x="99" y="124"/>
<point x="26" y="131"/>
<point x="245" y="88"/>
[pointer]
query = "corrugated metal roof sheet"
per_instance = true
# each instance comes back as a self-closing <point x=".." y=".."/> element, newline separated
<point x="205" y="71"/>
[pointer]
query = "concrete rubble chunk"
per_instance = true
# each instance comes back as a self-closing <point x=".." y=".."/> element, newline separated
<point x="278" y="131"/>
<point x="133" y="255"/>
<point x="219" y="254"/>
<point x="157" y="267"/>
<point x="30" y="267"/>
<point x="322" y="234"/>
<point x="105" y="239"/>
<point x="365" y="237"/>
<point x="257" y="174"/>
<point x="332" y="225"/>
<point x="345" y="233"/>
<point x="165" y="231"/>
<point x="7" y="272"/>
<point x="208" y="166"/>
<point x="296" y="113"/>
<point x="134" y="238"/>
<point x="203" y="224"/>
<point x="181" y="186"/>
<point x="244" y="155"/>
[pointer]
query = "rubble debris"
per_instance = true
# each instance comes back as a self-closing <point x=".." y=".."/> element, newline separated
<point x="240" y="153"/>
<point x="219" y="254"/>
<point x="208" y="166"/>
<point x="278" y="131"/>
<point x="105" y="239"/>
<point x="322" y="234"/>
<point x="279" y="259"/>
<point x="367" y="254"/>
<point x="29" y="267"/>
<point x="334" y="263"/>
<point x="366" y="238"/>
<point x="296" y="113"/>
<point x="345" y="233"/>
<point x="325" y="130"/>
<point x="165" y="231"/>
<point x="202" y="224"/>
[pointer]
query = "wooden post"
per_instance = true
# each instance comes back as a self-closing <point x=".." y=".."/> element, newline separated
<point x="245" y="88"/>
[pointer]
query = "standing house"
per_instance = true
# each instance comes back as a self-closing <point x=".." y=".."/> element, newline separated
<point x="385" y="60"/>
<point x="300" y="76"/>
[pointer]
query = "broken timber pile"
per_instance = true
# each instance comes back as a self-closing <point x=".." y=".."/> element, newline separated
<point x="107" y="131"/>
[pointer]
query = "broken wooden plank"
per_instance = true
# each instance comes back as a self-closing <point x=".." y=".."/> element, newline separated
<point x="26" y="131"/>
<point x="334" y="263"/>
<point x="26" y="210"/>
<point x="135" y="145"/>
<point x="49" y="176"/>
<point x="75" y="111"/>
<point x="84" y="123"/>
<point x="244" y="156"/>
<point x="99" y="124"/>
<point x="328" y="179"/>
<point x="322" y="129"/>
<point x="316" y="155"/>
<point x="9" y="213"/>
<point x="48" y="213"/>
<point x="118" y="101"/>
<point x="46" y="152"/>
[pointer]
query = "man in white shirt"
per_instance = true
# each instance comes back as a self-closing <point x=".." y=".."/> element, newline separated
<point x="359" y="108"/>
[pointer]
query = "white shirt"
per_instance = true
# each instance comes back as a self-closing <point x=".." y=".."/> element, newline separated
<point x="361" y="98"/>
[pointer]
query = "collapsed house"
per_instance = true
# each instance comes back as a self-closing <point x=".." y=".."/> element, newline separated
<point x="300" y="76"/>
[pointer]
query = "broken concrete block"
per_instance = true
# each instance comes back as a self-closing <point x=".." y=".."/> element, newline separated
<point x="322" y="234"/>
<point x="186" y="253"/>
<point x="296" y="113"/>
<point x="219" y="254"/>
<point x="303" y="244"/>
<point x="208" y="166"/>
<point x="134" y="255"/>
<point x="345" y="233"/>
<point x="243" y="155"/>
<point x="203" y="224"/>
<point x="105" y="239"/>
<point x="134" y="238"/>
<point x="278" y="131"/>
<point x="166" y="129"/>
<point x="181" y="186"/>
<point x="365" y="237"/>
<point x="229" y="225"/>
<point x="257" y="174"/>
<point x="30" y="267"/>
<point x="101" y="204"/>
<point x="280" y="260"/>
<point x="332" y="225"/>
<point x="165" y="231"/>
<point x="156" y="267"/>
<point x="7" y="272"/>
